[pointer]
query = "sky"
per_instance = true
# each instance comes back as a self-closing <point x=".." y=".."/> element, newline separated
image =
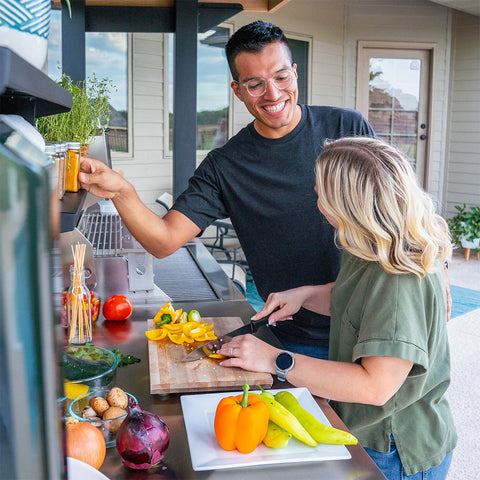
<point x="106" y="58"/>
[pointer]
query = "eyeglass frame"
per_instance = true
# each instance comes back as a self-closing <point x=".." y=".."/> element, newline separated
<point x="291" y="70"/>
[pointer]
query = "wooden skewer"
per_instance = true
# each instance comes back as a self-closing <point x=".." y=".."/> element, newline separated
<point x="79" y="314"/>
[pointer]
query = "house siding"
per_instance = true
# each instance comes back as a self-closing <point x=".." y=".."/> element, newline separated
<point x="334" y="28"/>
<point x="463" y="166"/>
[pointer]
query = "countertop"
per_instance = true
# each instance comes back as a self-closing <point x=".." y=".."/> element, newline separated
<point x="129" y="336"/>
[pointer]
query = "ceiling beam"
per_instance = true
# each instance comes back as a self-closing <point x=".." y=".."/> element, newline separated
<point x="153" y="19"/>
<point x="247" y="5"/>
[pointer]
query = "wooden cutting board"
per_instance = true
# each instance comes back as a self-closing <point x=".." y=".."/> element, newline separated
<point x="168" y="374"/>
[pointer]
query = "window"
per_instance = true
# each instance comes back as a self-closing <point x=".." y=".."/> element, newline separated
<point x="300" y="52"/>
<point x="106" y="57"/>
<point x="393" y="92"/>
<point x="213" y="89"/>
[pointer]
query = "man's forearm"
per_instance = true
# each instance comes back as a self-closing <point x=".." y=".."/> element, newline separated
<point x="159" y="236"/>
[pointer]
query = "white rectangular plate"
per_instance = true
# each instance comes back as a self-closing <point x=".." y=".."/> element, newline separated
<point x="206" y="453"/>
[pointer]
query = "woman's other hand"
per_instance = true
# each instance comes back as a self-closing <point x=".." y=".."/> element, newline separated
<point x="282" y="305"/>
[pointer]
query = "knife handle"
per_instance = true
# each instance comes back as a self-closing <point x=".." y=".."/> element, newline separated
<point x="256" y="324"/>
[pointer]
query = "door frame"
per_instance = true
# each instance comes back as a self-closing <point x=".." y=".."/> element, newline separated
<point x="361" y="100"/>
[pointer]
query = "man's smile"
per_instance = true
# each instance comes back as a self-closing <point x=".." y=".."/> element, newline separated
<point x="275" y="108"/>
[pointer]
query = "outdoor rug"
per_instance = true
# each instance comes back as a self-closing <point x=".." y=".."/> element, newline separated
<point x="464" y="299"/>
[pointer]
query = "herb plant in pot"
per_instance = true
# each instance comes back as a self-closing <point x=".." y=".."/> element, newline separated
<point x="465" y="228"/>
<point x="89" y="115"/>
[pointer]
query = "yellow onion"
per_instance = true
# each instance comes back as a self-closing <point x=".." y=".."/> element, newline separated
<point x="85" y="443"/>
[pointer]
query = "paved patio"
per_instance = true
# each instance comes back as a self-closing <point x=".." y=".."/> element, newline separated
<point x="464" y="391"/>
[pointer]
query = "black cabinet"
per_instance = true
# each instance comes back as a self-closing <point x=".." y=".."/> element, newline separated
<point x="30" y="93"/>
<point x="26" y="91"/>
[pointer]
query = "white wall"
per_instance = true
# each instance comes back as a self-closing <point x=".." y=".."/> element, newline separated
<point x="463" y="166"/>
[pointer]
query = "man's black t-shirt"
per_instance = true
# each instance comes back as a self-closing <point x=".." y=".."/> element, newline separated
<point x="266" y="187"/>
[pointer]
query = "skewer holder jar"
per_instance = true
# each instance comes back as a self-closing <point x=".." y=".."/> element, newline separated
<point x="79" y="319"/>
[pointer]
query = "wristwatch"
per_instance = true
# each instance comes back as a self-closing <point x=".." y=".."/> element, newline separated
<point x="283" y="364"/>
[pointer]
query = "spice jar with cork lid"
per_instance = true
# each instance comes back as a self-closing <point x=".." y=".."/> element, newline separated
<point x="73" y="166"/>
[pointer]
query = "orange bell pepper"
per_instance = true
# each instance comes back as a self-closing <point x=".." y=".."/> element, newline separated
<point x="241" y="422"/>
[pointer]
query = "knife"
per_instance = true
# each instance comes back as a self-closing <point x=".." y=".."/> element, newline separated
<point x="214" y="346"/>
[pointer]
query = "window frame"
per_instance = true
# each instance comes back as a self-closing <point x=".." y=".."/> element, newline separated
<point x="309" y="40"/>
<point x="128" y="155"/>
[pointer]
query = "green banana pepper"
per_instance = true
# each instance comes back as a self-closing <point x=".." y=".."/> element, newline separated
<point x="285" y="419"/>
<point x="320" y="432"/>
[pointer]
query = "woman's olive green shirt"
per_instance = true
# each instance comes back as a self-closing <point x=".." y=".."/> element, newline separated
<point x="375" y="313"/>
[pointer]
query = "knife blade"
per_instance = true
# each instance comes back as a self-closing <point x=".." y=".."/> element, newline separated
<point x="214" y="346"/>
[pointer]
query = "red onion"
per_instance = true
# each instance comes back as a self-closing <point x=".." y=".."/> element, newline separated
<point x="142" y="438"/>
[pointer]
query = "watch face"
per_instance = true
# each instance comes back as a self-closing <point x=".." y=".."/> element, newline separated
<point x="284" y="361"/>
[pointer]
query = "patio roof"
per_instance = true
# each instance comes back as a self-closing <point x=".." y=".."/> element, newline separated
<point x="247" y="5"/>
<point x="468" y="6"/>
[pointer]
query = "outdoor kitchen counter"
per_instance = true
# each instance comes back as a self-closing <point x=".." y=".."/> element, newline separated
<point x="129" y="336"/>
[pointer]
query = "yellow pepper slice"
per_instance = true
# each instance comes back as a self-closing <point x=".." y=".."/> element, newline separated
<point x="74" y="390"/>
<point x="194" y="329"/>
<point x="157" y="334"/>
<point x="175" y="328"/>
<point x="206" y="337"/>
<point x="179" y="338"/>
<point x="178" y="330"/>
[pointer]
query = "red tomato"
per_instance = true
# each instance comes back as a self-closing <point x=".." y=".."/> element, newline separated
<point x="117" y="307"/>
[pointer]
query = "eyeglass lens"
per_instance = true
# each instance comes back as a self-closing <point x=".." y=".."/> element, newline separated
<point x="258" y="86"/>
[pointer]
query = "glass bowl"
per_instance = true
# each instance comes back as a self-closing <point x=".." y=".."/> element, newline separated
<point x="87" y="368"/>
<point x="108" y="427"/>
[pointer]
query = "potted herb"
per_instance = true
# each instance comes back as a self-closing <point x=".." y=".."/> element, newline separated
<point x="465" y="228"/>
<point x="89" y="115"/>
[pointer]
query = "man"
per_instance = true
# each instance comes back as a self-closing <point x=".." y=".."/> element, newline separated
<point x="263" y="179"/>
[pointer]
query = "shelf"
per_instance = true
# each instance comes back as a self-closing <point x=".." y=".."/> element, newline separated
<point x="71" y="207"/>
<point x="26" y="91"/>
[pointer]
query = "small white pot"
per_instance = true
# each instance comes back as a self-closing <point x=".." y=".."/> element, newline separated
<point x="24" y="28"/>
<point x="475" y="243"/>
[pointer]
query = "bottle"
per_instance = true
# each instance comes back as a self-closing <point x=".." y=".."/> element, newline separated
<point x="73" y="166"/>
<point x="79" y="313"/>
<point x="61" y="157"/>
<point x="51" y="152"/>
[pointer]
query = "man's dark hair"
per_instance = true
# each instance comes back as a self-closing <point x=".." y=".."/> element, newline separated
<point x="253" y="38"/>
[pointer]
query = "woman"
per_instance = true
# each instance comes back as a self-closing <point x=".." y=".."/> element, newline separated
<point x="389" y="362"/>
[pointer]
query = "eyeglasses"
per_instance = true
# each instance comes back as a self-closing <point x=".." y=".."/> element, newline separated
<point x="258" y="86"/>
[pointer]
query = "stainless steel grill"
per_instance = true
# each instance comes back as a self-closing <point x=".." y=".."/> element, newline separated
<point x="104" y="232"/>
<point x="180" y="277"/>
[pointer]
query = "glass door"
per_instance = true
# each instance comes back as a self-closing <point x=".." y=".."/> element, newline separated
<point x="393" y="93"/>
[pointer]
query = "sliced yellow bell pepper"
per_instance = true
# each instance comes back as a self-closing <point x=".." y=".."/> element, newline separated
<point x="206" y="337"/>
<point x="177" y="329"/>
<point x="157" y="334"/>
<point x="167" y="310"/>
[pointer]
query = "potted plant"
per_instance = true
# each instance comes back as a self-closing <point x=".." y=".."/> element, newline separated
<point x="465" y="228"/>
<point x="89" y="115"/>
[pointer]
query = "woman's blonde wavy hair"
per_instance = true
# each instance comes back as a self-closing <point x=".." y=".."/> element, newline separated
<point x="382" y="214"/>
